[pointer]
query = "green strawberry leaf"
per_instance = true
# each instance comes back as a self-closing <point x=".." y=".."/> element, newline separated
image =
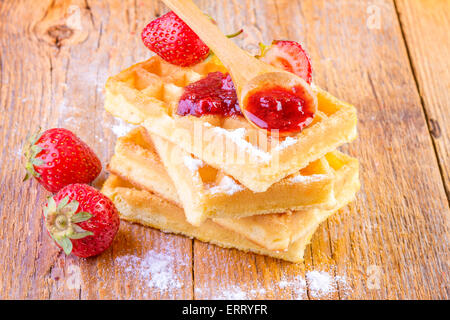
<point x="36" y="136"/>
<point x="66" y="244"/>
<point x="51" y="205"/>
<point x="37" y="162"/>
<point x="30" y="171"/>
<point x="35" y="149"/>
<point x="64" y="201"/>
<point x="45" y="211"/>
<point x="72" y="206"/>
<point x="81" y="235"/>
<point x="31" y="150"/>
<point x="81" y="216"/>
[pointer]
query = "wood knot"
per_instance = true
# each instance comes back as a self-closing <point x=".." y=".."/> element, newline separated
<point x="59" y="33"/>
<point x="64" y="25"/>
<point x="435" y="128"/>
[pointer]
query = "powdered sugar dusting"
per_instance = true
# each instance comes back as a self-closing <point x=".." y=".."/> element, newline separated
<point x="238" y="133"/>
<point x="155" y="269"/>
<point x="297" y="285"/>
<point x="289" y="141"/>
<point x="192" y="164"/>
<point x="121" y="128"/>
<point x="316" y="284"/>
<point x="294" y="284"/>
<point x="238" y="137"/>
<point x="302" y="179"/>
<point x="227" y="185"/>
<point x="320" y="283"/>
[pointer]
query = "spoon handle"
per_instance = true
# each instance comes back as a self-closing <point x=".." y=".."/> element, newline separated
<point x="241" y="64"/>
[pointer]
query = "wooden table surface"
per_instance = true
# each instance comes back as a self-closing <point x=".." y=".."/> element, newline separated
<point x="388" y="58"/>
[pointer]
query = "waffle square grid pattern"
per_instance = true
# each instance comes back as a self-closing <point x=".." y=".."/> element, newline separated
<point x="148" y="93"/>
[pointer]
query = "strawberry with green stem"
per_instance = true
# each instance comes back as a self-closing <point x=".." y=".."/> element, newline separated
<point x="175" y="42"/>
<point x="57" y="157"/>
<point x="81" y="220"/>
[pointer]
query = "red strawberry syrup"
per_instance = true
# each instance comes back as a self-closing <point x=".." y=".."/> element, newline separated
<point x="278" y="108"/>
<point x="274" y="108"/>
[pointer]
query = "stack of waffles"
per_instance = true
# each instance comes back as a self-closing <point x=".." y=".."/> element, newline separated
<point x="219" y="179"/>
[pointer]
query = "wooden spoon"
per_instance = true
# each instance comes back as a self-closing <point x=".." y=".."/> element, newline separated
<point x="249" y="74"/>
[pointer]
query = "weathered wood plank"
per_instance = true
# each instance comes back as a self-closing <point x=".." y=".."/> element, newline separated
<point x="425" y="26"/>
<point x="55" y="60"/>
<point x="396" y="232"/>
<point x="387" y="244"/>
<point x="27" y="255"/>
<point x="396" y="227"/>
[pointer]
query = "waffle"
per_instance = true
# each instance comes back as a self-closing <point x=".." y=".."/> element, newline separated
<point x="277" y="231"/>
<point x="148" y="93"/>
<point x="136" y="161"/>
<point x="206" y="192"/>
<point x="143" y="207"/>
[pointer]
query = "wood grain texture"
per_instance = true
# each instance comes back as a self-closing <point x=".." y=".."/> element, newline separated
<point x="367" y="65"/>
<point x="55" y="59"/>
<point x="426" y="26"/>
<point x="53" y="75"/>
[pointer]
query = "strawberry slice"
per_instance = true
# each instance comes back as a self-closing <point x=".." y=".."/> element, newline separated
<point x="289" y="56"/>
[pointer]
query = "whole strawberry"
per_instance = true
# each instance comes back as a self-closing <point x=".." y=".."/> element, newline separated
<point x="289" y="56"/>
<point x="172" y="39"/>
<point x="57" y="158"/>
<point x="81" y="220"/>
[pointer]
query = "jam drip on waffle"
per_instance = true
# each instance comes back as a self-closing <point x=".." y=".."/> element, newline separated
<point x="213" y="95"/>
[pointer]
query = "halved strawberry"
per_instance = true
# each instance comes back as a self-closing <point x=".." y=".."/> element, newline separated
<point x="289" y="56"/>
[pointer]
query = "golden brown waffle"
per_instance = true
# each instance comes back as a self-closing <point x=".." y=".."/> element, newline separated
<point x="135" y="161"/>
<point x="277" y="231"/>
<point x="206" y="192"/>
<point x="148" y="93"/>
<point x="143" y="207"/>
